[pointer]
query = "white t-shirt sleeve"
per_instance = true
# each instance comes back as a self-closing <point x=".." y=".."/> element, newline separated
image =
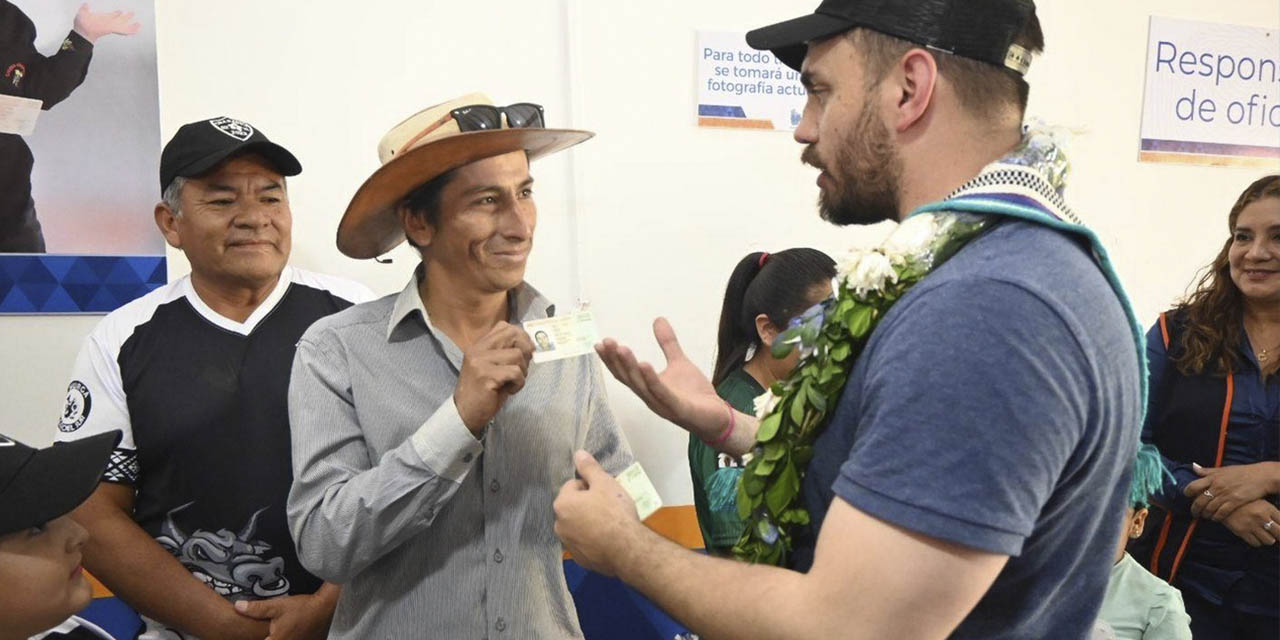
<point x="96" y="403"/>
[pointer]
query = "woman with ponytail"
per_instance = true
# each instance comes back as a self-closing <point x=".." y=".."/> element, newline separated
<point x="764" y="293"/>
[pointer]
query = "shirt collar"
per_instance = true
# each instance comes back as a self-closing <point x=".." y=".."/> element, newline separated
<point x="259" y="314"/>
<point x="526" y="303"/>
<point x="1019" y="184"/>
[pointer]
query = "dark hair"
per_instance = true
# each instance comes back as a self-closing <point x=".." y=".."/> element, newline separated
<point x="778" y="286"/>
<point x="1214" y="312"/>
<point x="424" y="200"/>
<point x="982" y="88"/>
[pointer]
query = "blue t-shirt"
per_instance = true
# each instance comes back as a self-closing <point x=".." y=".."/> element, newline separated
<point x="997" y="406"/>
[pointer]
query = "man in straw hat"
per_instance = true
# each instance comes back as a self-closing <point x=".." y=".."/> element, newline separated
<point x="427" y="449"/>
<point x="970" y="473"/>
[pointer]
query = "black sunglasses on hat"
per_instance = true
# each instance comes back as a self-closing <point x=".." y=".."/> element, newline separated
<point x="39" y="485"/>
<point x="477" y="117"/>
<point x="487" y="117"/>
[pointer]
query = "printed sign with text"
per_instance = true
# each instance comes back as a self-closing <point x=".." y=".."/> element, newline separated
<point x="1212" y="94"/>
<point x="743" y="88"/>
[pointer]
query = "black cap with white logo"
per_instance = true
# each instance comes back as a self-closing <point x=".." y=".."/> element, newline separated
<point x="38" y="485"/>
<point x="982" y="30"/>
<point x="200" y="146"/>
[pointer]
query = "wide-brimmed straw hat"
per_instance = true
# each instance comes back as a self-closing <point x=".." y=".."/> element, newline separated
<point x="429" y="143"/>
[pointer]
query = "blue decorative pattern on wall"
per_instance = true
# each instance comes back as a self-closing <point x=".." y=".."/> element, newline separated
<point x="721" y="111"/>
<point x="76" y="284"/>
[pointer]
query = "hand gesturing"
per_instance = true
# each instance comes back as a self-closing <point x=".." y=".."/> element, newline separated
<point x="95" y="25"/>
<point x="680" y="394"/>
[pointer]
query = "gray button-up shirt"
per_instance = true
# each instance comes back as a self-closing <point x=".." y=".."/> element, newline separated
<point x="431" y="532"/>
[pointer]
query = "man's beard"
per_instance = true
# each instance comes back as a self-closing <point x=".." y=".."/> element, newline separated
<point x="865" y="177"/>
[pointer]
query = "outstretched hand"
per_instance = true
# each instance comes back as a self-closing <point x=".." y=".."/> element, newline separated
<point x="95" y="25"/>
<point x="681" y="393"/>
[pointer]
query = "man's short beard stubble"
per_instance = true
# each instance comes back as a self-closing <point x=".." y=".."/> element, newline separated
<point x="865" y="177"/>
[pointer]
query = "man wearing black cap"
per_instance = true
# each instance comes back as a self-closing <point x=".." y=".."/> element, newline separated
<point x="189" y="524"/>
<point x="969" y="479"/>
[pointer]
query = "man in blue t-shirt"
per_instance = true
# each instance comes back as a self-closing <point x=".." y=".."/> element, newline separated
<point x="971" y="481"/>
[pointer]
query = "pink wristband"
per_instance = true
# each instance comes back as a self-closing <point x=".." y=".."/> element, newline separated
<point x="728" y="431"/>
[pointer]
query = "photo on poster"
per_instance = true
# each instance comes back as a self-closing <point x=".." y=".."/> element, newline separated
<point x="79" y="147"/>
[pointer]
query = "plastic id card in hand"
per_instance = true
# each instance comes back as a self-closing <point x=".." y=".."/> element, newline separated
<point x="638" y="486"/>
<point x="564" y="336"/>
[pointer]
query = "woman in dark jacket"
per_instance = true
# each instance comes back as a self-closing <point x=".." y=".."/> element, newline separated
<point x="1215" y="416"/>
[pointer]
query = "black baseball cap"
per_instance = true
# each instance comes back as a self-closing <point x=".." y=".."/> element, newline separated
<point x="38" y="485"/>
<point x="983" y="30"/>
<point x="200" y="146"/>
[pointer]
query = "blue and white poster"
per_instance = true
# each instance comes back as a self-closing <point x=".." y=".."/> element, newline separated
<point x="742" y="88"/>
<point x="1212" y="94"/>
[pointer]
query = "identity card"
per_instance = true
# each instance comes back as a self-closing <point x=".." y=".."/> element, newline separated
<point x="638" y="486"/>
<point x="564" y="336"/>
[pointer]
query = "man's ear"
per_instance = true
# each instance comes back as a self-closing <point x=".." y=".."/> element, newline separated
<point x="167" y="221"/>
<point x="416" y="227"/>
<point x="913" y="82"/>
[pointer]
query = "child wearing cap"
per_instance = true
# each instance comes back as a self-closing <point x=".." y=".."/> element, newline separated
<point x="41" y="581"/>
<point x="1138" y="605"/>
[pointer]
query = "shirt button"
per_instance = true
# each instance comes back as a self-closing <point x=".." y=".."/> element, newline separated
<point x="490" y="425"/>
<point x="501" y="625"/>
<point x="494" y="486"/>
<point x="467" y="458"/>
<point x="497" y="556"/>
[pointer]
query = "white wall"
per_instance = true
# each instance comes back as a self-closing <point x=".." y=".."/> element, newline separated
<point x="649" y="217"/>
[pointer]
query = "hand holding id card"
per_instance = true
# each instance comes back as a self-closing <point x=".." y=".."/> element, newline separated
<point x="637" y="485"/>
<point x="564" y="336"/>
